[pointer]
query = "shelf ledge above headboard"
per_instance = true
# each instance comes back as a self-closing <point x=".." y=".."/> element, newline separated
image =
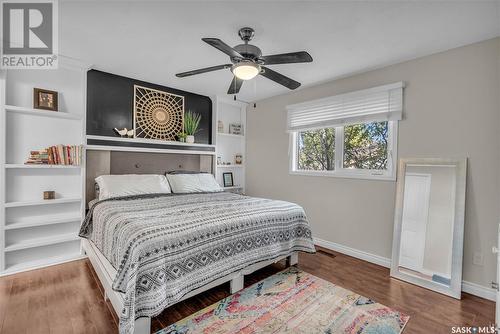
<point x="146" y="145"/>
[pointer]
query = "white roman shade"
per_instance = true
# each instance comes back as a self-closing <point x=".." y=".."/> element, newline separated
<point x="377" y="104"/>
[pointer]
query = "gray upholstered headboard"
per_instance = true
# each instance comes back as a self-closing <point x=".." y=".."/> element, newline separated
<point x="116" y="163"/>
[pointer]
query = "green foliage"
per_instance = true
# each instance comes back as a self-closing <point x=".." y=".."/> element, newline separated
<point x="316" y="149"/>
<point x="191" y="123"/>
<point x="365" y="147"/>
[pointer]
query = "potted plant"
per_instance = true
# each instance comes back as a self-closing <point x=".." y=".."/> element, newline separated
<point x="191" y="124"/>
<point x="182" y="136"/>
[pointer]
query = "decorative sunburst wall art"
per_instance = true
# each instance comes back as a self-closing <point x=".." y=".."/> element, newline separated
<point x="157" y="114"/>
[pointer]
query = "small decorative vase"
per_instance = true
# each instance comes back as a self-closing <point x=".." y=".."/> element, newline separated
<point x="190" y="139"/>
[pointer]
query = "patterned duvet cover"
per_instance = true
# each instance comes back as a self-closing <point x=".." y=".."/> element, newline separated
<point x="163" y="246"/>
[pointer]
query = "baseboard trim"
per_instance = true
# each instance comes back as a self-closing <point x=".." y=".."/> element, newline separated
<point x="468" y="287"/>
<point x="479" y="290"/>
<point x="380" y="260"/>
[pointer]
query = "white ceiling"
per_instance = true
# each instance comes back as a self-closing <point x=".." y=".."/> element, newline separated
<point x="152" y="41"/>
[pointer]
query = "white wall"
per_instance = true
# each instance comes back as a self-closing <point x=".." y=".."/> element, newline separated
<point x="452" y="109"/>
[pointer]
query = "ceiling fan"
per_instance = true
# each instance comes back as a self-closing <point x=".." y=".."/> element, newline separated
<point x="248" y="62"/>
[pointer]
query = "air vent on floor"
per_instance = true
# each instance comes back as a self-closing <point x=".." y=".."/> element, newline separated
<point x="320" y="251"/>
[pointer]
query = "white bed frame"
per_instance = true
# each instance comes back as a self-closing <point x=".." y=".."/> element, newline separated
<point x="106" y="273"/>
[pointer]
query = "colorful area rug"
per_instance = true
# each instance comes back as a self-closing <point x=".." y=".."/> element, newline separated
<point x="293" y="301"/>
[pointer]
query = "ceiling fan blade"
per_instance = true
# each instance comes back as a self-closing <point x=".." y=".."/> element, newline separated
<point x="279" y="78"/>
<point x="218" y="44"/>
<point x="287" y="58"/>
<point x="203" y="70"/>
<point x="235" y="86"/>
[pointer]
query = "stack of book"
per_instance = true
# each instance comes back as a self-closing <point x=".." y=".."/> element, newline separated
<point x="57" y="155"/>
<point x="40" y="157"/>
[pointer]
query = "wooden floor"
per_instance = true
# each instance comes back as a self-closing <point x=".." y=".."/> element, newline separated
<point x="68" y="299"/>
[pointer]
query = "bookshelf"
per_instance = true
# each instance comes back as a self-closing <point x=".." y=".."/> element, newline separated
<point x="17" y="204"/>
<point x="35" y="232"/>
<point x="227" y="144"/>
<point x="42" y="113"/>
<point x="40" y="166"/>
<point x="42" y="221"/>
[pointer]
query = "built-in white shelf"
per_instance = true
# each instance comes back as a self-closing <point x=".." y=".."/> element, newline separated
<point x="223" y="134"/>
<point x="147" y="141"/>
<point x="39" y="242"/>
<point x="43" y="221"/>
<point x="12" y="269"/>
<point x="230" y="145"/>
<point x="34" y="232"/>
<point x="41" y="112"/>
<point x="40" y="166"/>
<point x="43" y="202"/>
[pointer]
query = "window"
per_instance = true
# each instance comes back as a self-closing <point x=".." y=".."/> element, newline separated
<point x="365" y="146"/>
<point x="349" y="135"/>
<point x="316" y="150"/>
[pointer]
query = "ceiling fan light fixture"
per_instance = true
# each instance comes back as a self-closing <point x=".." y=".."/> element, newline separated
<point x="245" y="70"/>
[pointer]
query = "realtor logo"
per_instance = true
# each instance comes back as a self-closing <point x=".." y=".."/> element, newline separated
<point x="29" y="34"/>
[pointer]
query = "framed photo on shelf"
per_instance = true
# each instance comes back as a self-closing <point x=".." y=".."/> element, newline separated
<point x="44" y="99"/>
<point x="235" y="129"/>
<point x="228" y="179"/>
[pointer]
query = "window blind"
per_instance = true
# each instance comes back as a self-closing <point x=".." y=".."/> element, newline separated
<point x="377" y="104"/>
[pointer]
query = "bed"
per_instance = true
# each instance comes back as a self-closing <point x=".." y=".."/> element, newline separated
<point x="151" y="251"/>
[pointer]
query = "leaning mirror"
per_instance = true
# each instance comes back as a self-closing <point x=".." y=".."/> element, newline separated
<point x="429" y="224"/>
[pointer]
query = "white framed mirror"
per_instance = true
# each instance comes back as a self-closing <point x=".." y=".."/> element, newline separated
<point x="429" y="224"/>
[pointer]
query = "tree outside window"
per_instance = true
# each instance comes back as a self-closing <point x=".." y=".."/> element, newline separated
<point x="316" y="149"/>
<point x="365" y="147"/>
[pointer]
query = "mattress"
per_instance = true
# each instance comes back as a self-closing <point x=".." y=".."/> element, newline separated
<point x="163" y="246"/>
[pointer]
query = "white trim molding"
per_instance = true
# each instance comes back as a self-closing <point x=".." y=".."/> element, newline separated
<point x="479" y="290"/>
<point x="467" y="287"/>
<point x="359" y="254"/>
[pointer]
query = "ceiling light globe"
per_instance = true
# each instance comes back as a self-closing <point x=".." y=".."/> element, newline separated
<point x="245" y="70"/>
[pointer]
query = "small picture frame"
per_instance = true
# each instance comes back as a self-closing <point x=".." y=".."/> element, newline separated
<point x="49" y="195"/>
<point x="44" y="99"/>
<point x="228" y="179"/>
<point x="235" y="129"/>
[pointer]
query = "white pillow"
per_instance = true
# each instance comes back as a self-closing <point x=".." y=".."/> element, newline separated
<point x="193" y="183"/>
<point x="131" y="184"/>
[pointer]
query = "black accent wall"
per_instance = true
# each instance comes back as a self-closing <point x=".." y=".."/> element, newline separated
<point x="110" y="104"/>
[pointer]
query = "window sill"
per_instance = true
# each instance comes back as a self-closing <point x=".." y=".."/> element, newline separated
<point x="344" y="175"/>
